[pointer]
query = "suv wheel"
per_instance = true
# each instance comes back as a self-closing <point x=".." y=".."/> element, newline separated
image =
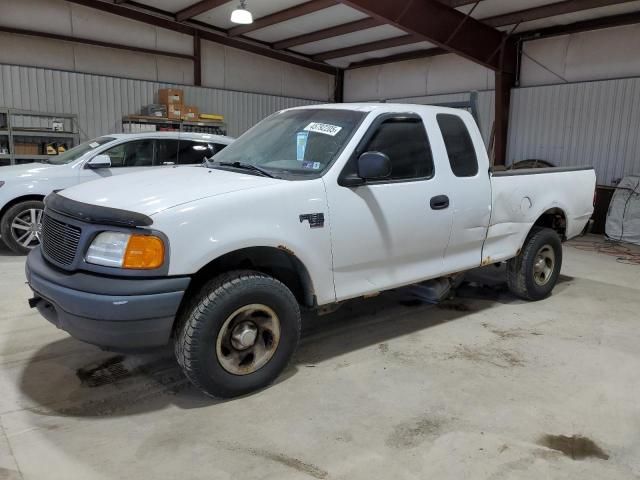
<point x="21" y="226"/>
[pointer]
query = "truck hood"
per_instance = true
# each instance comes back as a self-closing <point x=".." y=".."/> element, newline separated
<point x="152" y="191"/>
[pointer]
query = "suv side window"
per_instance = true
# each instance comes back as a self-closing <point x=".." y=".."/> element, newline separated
<point x="194" y="153"/>
<point x="460" y="149"/>
<point x="405" y="142"/>
<point x="138" y="153"/>
<point x="166" y="152"/>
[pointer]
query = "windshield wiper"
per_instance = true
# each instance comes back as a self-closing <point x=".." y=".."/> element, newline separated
<point x="246" y="166"/>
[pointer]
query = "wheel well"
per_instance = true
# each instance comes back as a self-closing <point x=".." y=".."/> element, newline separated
<point x="24" y="198"/>
<point x="280" y="263"/>
<point x="555" y="219"/>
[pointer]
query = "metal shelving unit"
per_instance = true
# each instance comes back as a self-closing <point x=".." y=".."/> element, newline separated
<point x="30" y="125"/>
<point x="201" y="126"/>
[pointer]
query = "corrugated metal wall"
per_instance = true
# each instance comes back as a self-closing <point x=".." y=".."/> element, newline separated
<point x="594" y="123"/>
<point x="100" y="102"/>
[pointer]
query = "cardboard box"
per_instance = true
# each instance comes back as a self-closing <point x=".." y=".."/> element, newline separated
<point x="170" y="96"/>
<point x="26" y="148"/>
<point x="190" y="112"/>
<point x="174" y="111"/>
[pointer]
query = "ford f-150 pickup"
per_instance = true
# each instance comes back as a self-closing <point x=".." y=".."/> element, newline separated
<point x="312" y="206"/>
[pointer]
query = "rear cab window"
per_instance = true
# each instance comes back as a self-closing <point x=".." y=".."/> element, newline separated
<point x="457" y="141"/>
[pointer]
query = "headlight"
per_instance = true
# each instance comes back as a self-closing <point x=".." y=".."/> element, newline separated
<point x="124" y="250"/>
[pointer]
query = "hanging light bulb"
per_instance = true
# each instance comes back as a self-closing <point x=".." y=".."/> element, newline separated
<point x="241" y="14"/>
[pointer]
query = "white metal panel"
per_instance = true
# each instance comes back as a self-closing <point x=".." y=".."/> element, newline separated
<point x="168" y="5"/>
<point x="374" y="34"/>
<point x="213" y="64"/>
<point x="594" y="123"/>
<point x="109" y="61"/>
<point x="490" y="8"/>
<point x="599" y="54"/>
<point x="100" y="102"/>
<point x="452" y="73"/>
<point x="50" y="16"/>
<point x="411" y="79"/>
<point x="39" y="51"/>
<point x="329" y="17"/>
<point x="252" y="73"/>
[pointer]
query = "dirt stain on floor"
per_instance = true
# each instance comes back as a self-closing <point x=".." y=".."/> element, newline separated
<point x="413" y="433"/>
<point x="576" y="447"/>
<point x="491" y="355"/>
<point x="291" y="462"/>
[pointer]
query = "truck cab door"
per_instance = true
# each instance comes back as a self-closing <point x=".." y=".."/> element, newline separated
<point x="469" y="190"/>
<point x="392" y="231"/>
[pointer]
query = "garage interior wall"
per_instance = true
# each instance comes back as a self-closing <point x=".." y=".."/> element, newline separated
<point x="110" y="83"/>
<point x="578" y="101"/>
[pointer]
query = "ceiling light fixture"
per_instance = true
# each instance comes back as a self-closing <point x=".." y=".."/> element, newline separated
<point x="241" y="15"/>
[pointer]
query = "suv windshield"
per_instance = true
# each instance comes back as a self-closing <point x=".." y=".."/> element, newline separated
<point x="294" y="143"/>
<point x="76" y="152"/>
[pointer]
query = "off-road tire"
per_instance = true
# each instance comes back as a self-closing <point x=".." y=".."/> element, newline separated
<point x="197" y="332"/>
<point x="520" y="270"/>
<point x="7" y="220"/>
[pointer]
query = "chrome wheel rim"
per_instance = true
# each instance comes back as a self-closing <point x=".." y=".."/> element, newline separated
<point x="248" y="339"/>
<point x="543" y="265"/>
<point x="26" y="227"/>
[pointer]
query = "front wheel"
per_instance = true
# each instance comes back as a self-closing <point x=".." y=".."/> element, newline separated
<point x="21" y="226"/>
<point x="239" y="334"/>
<point x="534" y="272"/>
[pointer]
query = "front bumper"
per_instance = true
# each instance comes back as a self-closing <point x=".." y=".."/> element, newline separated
<point x="112" y="312"/>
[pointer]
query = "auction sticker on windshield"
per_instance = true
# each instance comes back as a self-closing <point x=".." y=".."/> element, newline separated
<point x="323" y="128"/>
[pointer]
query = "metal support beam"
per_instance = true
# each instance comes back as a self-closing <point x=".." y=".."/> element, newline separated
<point x="399" y="57"/>
<point x="327" y="33"/>
<point x="433" y="21"/>
<point x="612" y="21"/>
<point x="97" y="43"/>
<point x="198" y="8"/>
<point x="282" y="16"/>
<point x="338" y="94"/>
<point x="504" y="83"/>
<point x="550" y="10"/>
<point x="369" y="47"/>
<point x="166" y="20"/>
<point x="197" y="60"/>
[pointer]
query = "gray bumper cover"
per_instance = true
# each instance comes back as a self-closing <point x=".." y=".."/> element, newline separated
<point x="111" y="312"/>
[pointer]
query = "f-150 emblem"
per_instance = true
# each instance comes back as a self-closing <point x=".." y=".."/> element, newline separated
<point x="316" y="220"/>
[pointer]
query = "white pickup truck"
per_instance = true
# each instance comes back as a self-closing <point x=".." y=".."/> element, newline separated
<point x="311" y="207"/>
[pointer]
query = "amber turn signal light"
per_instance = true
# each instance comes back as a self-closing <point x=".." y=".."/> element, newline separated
<point x="144" y="252"/>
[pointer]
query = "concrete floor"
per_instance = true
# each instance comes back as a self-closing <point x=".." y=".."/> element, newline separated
<point x="478" y="388"/>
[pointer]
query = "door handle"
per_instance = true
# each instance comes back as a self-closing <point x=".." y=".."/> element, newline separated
<point x="439" y="202"/>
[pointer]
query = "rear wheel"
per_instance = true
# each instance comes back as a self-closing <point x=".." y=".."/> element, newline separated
<point x="238" y="334"/>
<point x="21" y="226"/>
<point x="534" y="272"/>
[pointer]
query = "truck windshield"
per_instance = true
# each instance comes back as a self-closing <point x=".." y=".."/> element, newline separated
<point x="78" y="151"/>
<point x="293" y="144"/>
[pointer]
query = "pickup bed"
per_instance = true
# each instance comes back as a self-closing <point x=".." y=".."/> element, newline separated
<point x="313" y="206"/>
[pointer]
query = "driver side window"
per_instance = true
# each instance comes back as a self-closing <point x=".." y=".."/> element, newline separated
<point x="406" y="144"/>
<point x="138" y="153"/>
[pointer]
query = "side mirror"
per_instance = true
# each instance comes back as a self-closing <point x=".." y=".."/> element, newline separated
<point x="99" y="161"/>
<point x="374" y="166"/>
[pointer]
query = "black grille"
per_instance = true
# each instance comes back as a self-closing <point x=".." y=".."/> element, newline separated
<point x="59" y="240"/>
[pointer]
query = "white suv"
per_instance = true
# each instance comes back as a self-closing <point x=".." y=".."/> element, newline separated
<point x="23" y="187"/>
